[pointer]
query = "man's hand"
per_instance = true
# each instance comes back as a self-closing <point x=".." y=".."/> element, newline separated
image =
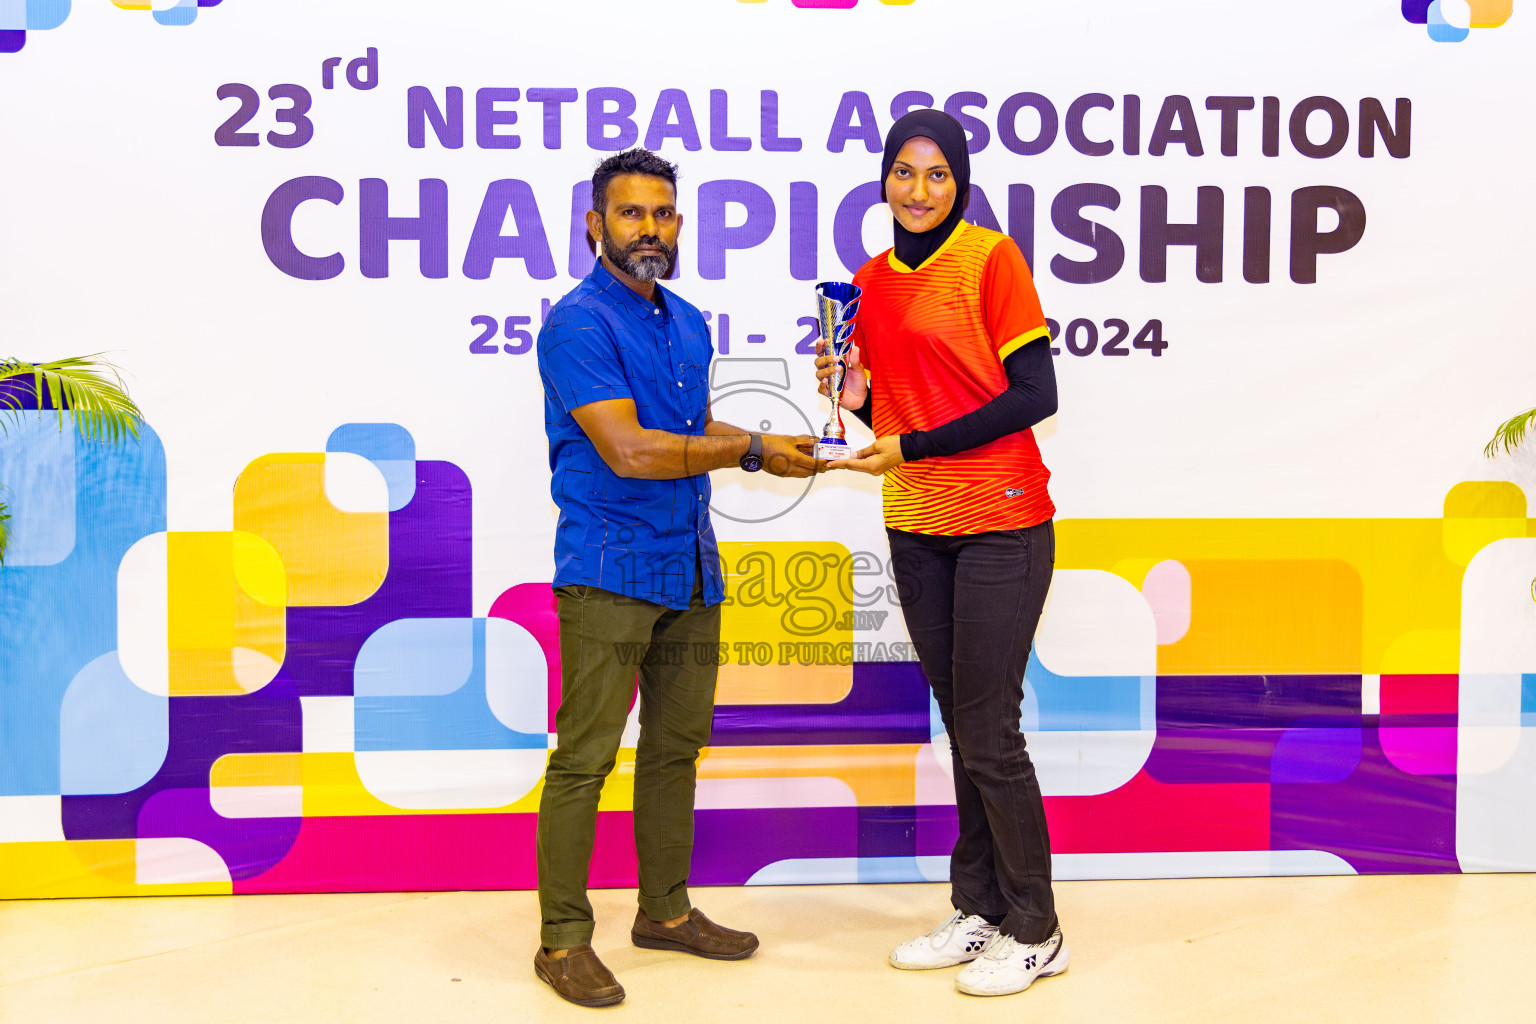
<point x="884" y="454"/>
<point x="855" y="384"/>
<point x="790" y="456"/>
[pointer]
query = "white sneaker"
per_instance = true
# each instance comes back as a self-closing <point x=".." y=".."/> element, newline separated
<point x="1008" y="965"/>
<point x="960" y="939"/>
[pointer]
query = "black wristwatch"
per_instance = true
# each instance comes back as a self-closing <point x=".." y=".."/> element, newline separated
<point x="753" y="460"/>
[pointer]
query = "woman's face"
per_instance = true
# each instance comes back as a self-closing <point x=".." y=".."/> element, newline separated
<point x="920" y="189"/>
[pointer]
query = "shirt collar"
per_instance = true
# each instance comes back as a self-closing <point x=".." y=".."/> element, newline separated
<point x="902" y="268"/>
<point x="604" y="280"/>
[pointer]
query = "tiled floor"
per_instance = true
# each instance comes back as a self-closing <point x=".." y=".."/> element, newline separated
<point x="1399" y="949"/>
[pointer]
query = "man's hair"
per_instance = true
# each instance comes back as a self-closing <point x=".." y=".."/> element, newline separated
<point x="631" y="161"/>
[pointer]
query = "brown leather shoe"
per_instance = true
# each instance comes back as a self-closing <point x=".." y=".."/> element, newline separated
<point x="579" y="977"/>
<point x="697" y="935"/>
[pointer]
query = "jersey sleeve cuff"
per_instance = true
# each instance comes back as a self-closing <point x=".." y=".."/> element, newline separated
<point x="1013" y="346"/>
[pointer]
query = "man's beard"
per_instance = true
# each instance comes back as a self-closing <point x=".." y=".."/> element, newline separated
<point x="641" y="268"/>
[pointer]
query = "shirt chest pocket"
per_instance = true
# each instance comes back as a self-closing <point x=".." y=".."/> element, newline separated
<point x="693" y="396"/>
<point x="668" y="392"/>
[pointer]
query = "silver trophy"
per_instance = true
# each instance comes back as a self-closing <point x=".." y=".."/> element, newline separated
<point x="837" y="303"/>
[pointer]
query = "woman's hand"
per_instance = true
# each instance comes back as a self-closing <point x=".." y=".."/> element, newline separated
<point x="855" y="385"/>
<point x="883" y="455"/>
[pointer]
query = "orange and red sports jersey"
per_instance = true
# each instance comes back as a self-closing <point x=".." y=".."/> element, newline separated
<point x="933" y="340"/>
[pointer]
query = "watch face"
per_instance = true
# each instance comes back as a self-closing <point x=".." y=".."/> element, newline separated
<point x="751" y="463"/>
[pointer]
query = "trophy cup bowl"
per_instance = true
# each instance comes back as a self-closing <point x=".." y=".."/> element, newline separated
<point x="837" y="304"/>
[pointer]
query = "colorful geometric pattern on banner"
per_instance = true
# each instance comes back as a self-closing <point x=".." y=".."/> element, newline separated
<point x="307" y="703"/>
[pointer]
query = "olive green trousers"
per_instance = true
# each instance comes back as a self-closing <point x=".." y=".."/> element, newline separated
<point x="605" y="640"/>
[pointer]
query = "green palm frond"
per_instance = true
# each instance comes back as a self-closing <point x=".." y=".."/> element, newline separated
<point x="1510" y="433"/>
<point x="5" y="530"/>
<point x="86" y="388"/>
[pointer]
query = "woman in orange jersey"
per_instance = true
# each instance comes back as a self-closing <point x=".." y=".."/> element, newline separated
<point x="958" y="358"/>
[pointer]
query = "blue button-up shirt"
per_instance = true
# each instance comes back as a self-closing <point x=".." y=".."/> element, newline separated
<point x="642" y="538"/>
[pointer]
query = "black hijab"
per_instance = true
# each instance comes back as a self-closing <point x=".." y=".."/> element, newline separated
<point x="912" y="248"/>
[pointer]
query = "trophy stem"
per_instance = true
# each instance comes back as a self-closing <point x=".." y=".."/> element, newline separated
<point x="834" y="426"/>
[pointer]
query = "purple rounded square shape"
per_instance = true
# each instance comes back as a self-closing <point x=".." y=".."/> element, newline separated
<point x="248" y="846"/>
<point x="1379" y="819"/>
<point x="1316" y="752"/>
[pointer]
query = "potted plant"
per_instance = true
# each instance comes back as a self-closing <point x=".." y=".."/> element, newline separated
<point x="88" y="389"/>
<point x="1510" y="433"/>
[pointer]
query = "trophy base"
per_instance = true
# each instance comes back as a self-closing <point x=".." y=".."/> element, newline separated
<point x="830" y="448"/>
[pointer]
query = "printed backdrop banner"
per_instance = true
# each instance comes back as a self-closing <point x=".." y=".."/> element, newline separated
<point x="299" y="635"/>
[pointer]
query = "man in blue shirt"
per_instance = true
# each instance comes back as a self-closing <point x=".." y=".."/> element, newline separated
<point x="625" y="367"/>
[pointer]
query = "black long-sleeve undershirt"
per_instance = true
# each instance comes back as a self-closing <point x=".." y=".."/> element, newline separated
<point x="863" y="413"/>
<point x="1029" y="398"/>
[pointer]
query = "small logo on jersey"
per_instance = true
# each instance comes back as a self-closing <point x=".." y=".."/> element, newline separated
<point x="1014" y="492"/>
